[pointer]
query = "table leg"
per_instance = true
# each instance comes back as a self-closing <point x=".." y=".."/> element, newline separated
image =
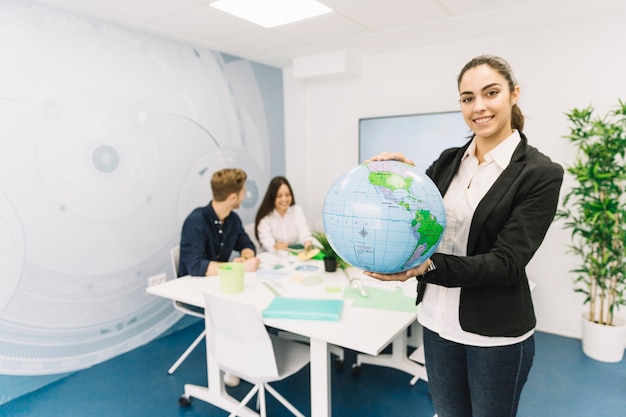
<point x="320" y="379"/>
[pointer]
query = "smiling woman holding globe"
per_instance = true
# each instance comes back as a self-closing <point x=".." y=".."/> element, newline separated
<point x="500" y="196"/>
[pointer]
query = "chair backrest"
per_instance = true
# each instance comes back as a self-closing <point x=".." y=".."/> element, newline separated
<point x="249" y="229"/>
<point x="238" y="340"/>
<point x="175" y="258"/>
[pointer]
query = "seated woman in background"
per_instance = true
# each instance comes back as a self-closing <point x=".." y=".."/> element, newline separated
<point x="280" y="223"/>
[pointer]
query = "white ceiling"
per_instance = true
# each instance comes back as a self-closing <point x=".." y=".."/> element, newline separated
<point x="359" y="27"/>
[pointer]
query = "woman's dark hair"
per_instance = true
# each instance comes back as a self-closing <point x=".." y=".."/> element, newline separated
<point x="267" y="205"/>
<point x="503" y="68"/>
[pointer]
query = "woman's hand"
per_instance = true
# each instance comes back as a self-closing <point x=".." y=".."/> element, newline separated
<point x="281" y="246"/>
<point x="391" y="156"/>
<point x="401" y="276"/>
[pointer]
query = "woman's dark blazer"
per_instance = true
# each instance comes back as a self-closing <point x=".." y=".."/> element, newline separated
<point x="509" y="224"/>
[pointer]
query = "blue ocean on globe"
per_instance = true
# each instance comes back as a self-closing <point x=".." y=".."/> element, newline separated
<point x="384" y="216"/>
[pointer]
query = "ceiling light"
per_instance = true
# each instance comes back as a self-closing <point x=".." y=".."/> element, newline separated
<point x="270" y="13"/>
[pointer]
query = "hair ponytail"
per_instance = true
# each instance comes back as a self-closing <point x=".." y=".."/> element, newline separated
<point x="517" y="118"/>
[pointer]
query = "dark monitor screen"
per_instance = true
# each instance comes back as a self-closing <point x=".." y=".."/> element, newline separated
<point x="420" y="137"/>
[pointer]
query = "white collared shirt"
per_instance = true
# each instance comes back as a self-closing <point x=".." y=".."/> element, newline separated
<point x="439" y="310"/>
<point x="291" y="228"/>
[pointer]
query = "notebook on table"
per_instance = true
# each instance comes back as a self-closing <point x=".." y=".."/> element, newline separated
<point x="304" y="309"/>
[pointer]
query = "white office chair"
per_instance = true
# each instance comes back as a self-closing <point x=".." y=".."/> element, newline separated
<point x="240" y="344"/>
<point x="249" y="228"/>
<point x="338" y="351"/>
<point x="175" y="257"/>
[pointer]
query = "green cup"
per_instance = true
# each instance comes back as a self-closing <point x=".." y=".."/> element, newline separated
<point x="231" y="276"/>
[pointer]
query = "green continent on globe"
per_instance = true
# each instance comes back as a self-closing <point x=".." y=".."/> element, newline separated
<point x="390" y="180"/>
<point x="429" y="229"/>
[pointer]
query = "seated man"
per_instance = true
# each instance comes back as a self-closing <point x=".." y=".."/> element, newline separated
<point x="211" y="233"/>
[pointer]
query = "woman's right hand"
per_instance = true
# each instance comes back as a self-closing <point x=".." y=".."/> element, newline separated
<point x="281" y="246"/>
<point x="391" y="156"/>
<point x="401" y="276"/>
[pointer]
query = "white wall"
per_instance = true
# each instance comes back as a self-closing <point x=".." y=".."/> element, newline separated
<point x="560" y="67"/>
<point x="108" y="139"/>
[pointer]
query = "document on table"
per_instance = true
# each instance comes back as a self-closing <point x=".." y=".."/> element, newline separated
<point x="381" y="298"/>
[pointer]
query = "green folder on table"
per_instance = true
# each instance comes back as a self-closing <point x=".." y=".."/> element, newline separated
<point x="304" y="309"/>
<point x="382" y="299"/>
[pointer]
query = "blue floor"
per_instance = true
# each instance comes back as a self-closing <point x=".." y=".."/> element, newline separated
<point x="563" y="383"/>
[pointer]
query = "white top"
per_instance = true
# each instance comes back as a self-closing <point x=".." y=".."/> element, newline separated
<point x="291" y="228"/>
<point x="439" y="310"/>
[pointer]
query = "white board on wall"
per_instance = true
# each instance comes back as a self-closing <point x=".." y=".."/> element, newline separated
<point x="420" y="137"/>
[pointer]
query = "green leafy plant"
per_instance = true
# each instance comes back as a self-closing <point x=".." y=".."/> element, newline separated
<point x="594" y="209"/>
<point x="327" y="250"/>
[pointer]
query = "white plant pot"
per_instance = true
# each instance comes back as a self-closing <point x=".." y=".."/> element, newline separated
<point x="604" y="343"/>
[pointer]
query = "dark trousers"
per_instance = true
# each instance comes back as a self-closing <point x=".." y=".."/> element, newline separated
<point x="471" y="381"/>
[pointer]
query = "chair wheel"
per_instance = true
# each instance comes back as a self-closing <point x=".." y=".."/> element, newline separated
<point x="184" y="401"/>
<point x="356" y="370"/>
<point x="338" y="365"/>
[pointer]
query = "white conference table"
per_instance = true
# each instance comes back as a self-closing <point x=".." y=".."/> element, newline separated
<point x="366" y="330"/>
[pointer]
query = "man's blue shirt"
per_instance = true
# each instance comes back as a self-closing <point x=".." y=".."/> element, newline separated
<point x="205" y="239"/>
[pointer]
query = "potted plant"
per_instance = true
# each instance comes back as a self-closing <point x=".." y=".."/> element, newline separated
<point x="331" y="259"/>
<point x="594" y="210"/>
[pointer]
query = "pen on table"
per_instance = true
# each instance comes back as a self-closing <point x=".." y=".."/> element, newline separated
<point x="357" y="284"/>
<point x="272" y="289"/>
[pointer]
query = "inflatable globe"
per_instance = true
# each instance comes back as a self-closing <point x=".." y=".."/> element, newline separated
<point x="384" y="216"/>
